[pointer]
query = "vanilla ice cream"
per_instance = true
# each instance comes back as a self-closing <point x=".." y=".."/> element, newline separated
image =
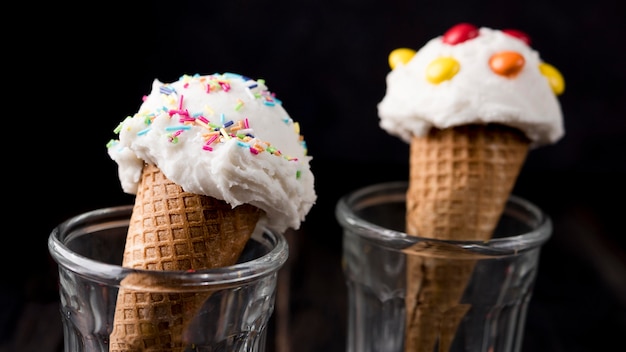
<point x="221" y="135"/>
<point x="470" y="103"/>
<point x="473" y="77"/>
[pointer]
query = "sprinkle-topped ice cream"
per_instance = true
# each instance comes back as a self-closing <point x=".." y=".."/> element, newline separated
<point x="221" y="135"/>
<point x="473" y="75"/>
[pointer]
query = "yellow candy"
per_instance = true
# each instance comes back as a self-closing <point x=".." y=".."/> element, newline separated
<point x="442" y="69"/>
<point x="400" y="56"/>
<point x="554" y="77"/>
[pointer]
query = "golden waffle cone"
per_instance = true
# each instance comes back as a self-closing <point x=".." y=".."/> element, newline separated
<point x="171" y="229"/>
<point x="460" y="180"/>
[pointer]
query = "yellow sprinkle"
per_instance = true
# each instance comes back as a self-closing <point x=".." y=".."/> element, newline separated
<point x="208" y="135"/>
<point x="201" y="123"/>
<point x="170" y="99"/>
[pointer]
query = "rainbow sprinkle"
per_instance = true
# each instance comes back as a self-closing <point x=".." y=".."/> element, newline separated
<point x="219" y="128"/>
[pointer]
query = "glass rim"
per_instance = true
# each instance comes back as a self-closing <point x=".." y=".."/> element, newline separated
<point x="386" y="237"/>
<point x="105" y="273"/>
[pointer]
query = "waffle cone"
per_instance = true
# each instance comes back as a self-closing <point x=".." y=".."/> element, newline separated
<point x="460" y="180"/>
<point x="173" y="230"/>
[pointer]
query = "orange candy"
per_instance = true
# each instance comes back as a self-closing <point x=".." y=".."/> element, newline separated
<point x="507" y="63"/>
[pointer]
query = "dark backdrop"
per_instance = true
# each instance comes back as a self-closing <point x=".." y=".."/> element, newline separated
<point x="81" y="69"/>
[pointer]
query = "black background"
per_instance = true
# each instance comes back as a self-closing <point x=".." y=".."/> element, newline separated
<point x="73" y="72"/>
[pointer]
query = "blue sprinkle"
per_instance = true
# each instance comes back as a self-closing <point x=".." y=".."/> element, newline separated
<point x="144" y="131"/>
<point x="166" y="90"/>
<point x="176" y="128"/>
<point x="232" y="75"/>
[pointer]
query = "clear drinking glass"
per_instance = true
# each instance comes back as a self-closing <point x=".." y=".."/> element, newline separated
<point x="88" y="249"/>
<point x="375" y="252"/>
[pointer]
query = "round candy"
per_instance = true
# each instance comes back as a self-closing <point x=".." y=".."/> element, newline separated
<point x="460" y="33"/>
<point x="518" y="34"/>
<point x="554" y="77"/>
<point x="442" y="69"/>
<point x="507" y="63"/>
<point x="400" y="56"/>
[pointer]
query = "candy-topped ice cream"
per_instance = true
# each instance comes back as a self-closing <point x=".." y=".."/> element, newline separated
<point x="221" y="135"/>
<point x="473" y="75"/>
<point x="471" y="103"/>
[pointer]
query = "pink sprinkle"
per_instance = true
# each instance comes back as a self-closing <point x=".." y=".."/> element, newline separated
<point x="203" y="119"/>
<point x="207" y="147"/>
<point x="225" y="86"/>
<point x="245" y="123"/>
<point x="182" y="97"/>
<point x="254" y="150"/>
<point x="144" y="98"/>
<point x="212" y="139"/>
<point x="179" y="112"/>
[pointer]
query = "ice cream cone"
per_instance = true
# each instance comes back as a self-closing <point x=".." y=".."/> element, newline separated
<point x="460" y="180"/>
<point x="171" y="229"/>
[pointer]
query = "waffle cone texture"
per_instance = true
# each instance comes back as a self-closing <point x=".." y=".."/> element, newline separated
<point x="173" y="230"/>
<point x="460" y="179"/>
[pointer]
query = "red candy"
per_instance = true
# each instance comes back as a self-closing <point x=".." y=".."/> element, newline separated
<point x="460" y="33"/>
<point x="518" y="34"/>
